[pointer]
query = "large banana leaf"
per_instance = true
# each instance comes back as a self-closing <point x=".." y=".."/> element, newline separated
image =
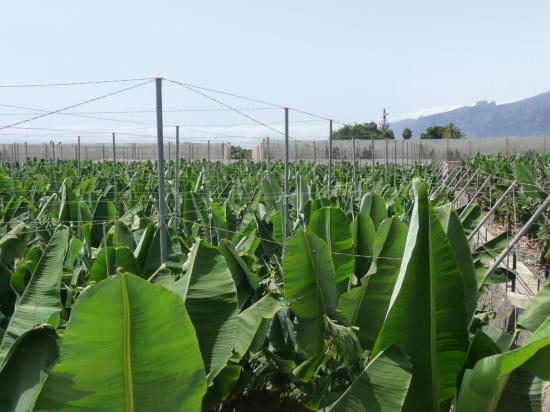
<point x="363" y="232"/>
<point x="309" y="285"/>
<point x="382" y="386"/>
<point x="27" y="366"/>
<point x="12" y="244"/>
<point x="374" y="206"/>
<point x="537" y="311"/>
<point x="332" y="225"/>
<point x="427" y="318"/>
<point x="117" y="258"/>
<point x="210" y="297"/>
<point x="40" y="302"/>
<point x="129" y="346"/>
<point x="483" y="386"/>
<point x="366" y="306"/>
<point x="250" y="320"/>
<point x="455" y="233"/>
<point x="245" y="280"/>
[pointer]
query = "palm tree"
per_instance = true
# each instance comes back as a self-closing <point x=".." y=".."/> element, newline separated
<point x="452" y="131"/>
<point x="407" y="133"/>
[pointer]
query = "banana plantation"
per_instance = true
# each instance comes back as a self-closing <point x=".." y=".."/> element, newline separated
<point x="362" y="291"/>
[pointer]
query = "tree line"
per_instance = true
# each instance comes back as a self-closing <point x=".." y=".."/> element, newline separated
<point x="382" y="130"/>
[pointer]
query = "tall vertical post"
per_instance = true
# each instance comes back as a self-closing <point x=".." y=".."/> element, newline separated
<point x="285" y="212"/>
<point x="208" y="156"/>
<point x="330" y="158"/>
<point x="394" y="163"/>
<point x="160" y="148"/>
<point x="114" y="173"/>
<point x="353" y="160"/>
<point x="372" y="153"/>
<point x="53" y="152"/>
<point x="268" y="160"/>
<point x="295" y="154"/>
<point x="46" y="152"/>
<point x="105" y="250"/>
<point x="26" y="152"/>
<point x="78" y="155"/>
<point x="103" y="152"/>
<point x="386" y="159"/>
<point x="13" y="159"/>
<point x="177" y="178"/>
<point x="314" y="154"/>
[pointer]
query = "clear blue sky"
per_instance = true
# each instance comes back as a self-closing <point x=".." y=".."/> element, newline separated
<point x="345" y="60"/>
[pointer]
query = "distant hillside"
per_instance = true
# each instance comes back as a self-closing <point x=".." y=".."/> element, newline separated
<point x="528" y="117"/>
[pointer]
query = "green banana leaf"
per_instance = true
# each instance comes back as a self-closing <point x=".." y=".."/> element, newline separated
<point x="375" y="206"/>
<point x="27" y="366"/>
<point x="245" y="280"/>
<point x="427" y="317"/>
<point x="332" y="225"/>
<point x="120" y="257"/>
<point x="537" y="311"/>
<point x="309" y="285"/>
<point x="461" y="248"/>
<point x="366" y="306"/>
<point x="482" y="387"/>
<point x="40" y="302"/>
<point x="363" y="232"/>
<point x="210" y="297"/>
<point x="250" y="320"/>
<point x="129" y="345"/>
<point x="382" y="386"/>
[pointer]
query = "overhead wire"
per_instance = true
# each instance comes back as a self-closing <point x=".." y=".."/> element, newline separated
<point x="75" y="105"/>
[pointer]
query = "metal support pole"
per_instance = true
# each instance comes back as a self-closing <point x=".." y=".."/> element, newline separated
<point x="53" y="152"/>
<point x="208" y="156"/>
<point x="329" y="158"/>
<point x="353" y="160"/>
<point x="105" y="249"/>
<point x="295" y="154"/>
<point x="268" y="159"/>
<point x="114" y="172"/>
<point x="26" y="152"/>
<point x="394" y="163"/>
<point x="103" y="152"/>
<point x="465" y="186"/>
<point x="314" y="153"/>
<point x="519" y="235"/>
<point x="285" y="212"/>
<point x="372" y="153"/>
<point x="491" y="211"/>
<point x="177" y="178"/>
<point x="386" y="159"/>
<point x="160" y="148"/>
<point x="472" y="200"/>
<point x="78" y="156"/>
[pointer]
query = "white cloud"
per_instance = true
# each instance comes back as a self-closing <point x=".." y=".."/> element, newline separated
<point x="415" y="114"/>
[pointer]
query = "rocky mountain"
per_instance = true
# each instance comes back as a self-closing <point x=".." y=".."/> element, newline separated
<point x="528" y="117"/>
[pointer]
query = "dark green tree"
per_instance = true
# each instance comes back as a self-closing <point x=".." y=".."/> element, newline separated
<point x="452" y="132"/>
<point x="407" y="133"/>
<point x="434" y="132"/>
<point x="357" y="130"/>
<point x="238" y="152"/>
